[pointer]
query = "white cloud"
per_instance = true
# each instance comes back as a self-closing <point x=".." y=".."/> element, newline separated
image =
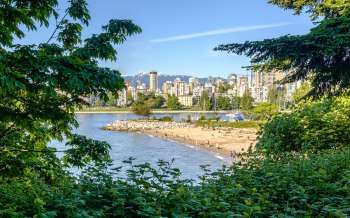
<point x="219" y="32"/>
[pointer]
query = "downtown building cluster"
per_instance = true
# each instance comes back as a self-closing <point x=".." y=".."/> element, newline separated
<point x="257" y="85"/>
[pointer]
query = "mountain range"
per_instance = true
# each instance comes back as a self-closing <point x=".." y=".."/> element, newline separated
<point x="144" y="78"/>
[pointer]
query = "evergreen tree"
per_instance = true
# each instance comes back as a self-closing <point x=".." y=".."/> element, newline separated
<point x="173" y="103"/>
<point x="205" y="101"/>
<point x="322" y="54"/>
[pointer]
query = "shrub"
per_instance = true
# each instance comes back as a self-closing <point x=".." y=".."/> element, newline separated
<point x="316" y="185"/>
<point x="264" y="111"/>
<point x="315" y="125"/>
<point x="141" y="109"/>
<point x="166" y="119"/>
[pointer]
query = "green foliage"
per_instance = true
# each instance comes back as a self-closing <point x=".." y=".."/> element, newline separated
<point x="300" y="93"/>
<point x="205" y="101"/>
<point x="223" y="103"/>
<point x="246" y="101"/>
<point x="42" y="85"/>
<point x="154" y="102"/>
<point x="228" y="124"/>
<point x="316" y="125"/>
<point x="321" y="55"/>
<point x="161" y="119"/>
<point x="140" y="108"/>
<point x="317" y="9"/>
<point x="265" y="111"/>
<point x="290" y="186"/>
<point x="224" y="87"/>
<point x="276" y="95"/>
<point x="173" y="103"/>
<point x="166" y="119"/>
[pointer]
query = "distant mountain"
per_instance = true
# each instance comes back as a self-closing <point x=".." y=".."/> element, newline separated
<point x="144" y="78"/>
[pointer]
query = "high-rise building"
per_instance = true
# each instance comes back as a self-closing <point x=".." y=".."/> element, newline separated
<point x="122" y="98"/>
<point x="232" y="79"/>
<point x="179" y="87"/>
<point x="167" y="88"/>
<point x="193" y="83"/>
<point x="243" y="85"/>
<point x="153" y="81"/>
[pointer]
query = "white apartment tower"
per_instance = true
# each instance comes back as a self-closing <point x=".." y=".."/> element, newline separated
<point x="153" y="81"/>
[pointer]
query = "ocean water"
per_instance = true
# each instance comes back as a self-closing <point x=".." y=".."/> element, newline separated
<point x="145" y="148"/>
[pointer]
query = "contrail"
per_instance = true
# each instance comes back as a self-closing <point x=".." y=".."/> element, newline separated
<point x="219" y="32"/>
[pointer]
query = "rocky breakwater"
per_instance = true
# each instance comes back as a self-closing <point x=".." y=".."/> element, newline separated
<point x="143" y="125"/>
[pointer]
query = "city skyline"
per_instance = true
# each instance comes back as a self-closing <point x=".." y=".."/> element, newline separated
<point x="260" y="86"/>
<point x="178" y="37"/>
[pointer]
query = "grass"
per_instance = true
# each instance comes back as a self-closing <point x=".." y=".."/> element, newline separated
<point x="242" y="124"/>
<point x="128" y="109"/>
<point x="104" y="109"/>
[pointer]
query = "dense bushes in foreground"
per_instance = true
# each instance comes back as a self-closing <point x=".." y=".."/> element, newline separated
<point x="297" y="186"/>
<point x="316" y="125"/>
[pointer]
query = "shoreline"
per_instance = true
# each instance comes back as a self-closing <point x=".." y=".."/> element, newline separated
<point x="226" y="141"/>
<point x="153" y="112"/>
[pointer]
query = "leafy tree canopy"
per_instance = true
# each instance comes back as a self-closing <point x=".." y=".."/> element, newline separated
<point x="224" y="103"/>
<point x="173" y="103"/>
<point x="41" y="85"/>
<point x="301" y="92"/>
<point x="246" y="101"/>
<point x="265" y="110"/>
<point x="316" y="9"/>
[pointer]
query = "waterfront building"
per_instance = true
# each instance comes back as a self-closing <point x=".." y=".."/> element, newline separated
<point x="186" y="100"/>
<point x="210" y="88"/>
<point x="122" y="100"/>
<point x="178" y="88"/>
<point x="133" y="92"/>
<point x="262" y="82"/>
<point x="141" y="88"/>
<point x="153" y="81"/>
<point x="197" y="91"/>
<point x="232" y="79"/>
<point x="167" y="88"/>
<point x="243" y="85"/>
<point x="193" y="83"/>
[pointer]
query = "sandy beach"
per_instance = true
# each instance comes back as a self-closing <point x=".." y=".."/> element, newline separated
<point x="222" y="140"/>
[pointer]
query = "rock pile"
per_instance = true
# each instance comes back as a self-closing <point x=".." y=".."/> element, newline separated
<point x="132" y="126"/>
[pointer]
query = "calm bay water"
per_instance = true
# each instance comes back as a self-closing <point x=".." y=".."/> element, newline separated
<point x="147" y="148"/>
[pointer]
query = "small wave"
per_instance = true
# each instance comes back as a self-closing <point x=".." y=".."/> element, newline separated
<point x="219" y="157"/>
<point x="190" y="146"/>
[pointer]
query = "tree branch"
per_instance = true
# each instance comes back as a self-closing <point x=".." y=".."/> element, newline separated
<point x="57" y="26"/>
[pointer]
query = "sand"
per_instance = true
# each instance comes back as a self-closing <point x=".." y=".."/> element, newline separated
<point x="228" y="141"/>
<point x="222" y="140"/>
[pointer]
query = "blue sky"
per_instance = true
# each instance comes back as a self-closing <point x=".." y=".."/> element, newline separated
<point x="179" y="35"/>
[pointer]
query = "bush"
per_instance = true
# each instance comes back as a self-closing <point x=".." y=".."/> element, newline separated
<point x="265" y="111"/>
<point x="141" y="109"/>
<point x="316" y="185"/>
<point x="315" y="125"/>
<point x="166" y="119"/>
